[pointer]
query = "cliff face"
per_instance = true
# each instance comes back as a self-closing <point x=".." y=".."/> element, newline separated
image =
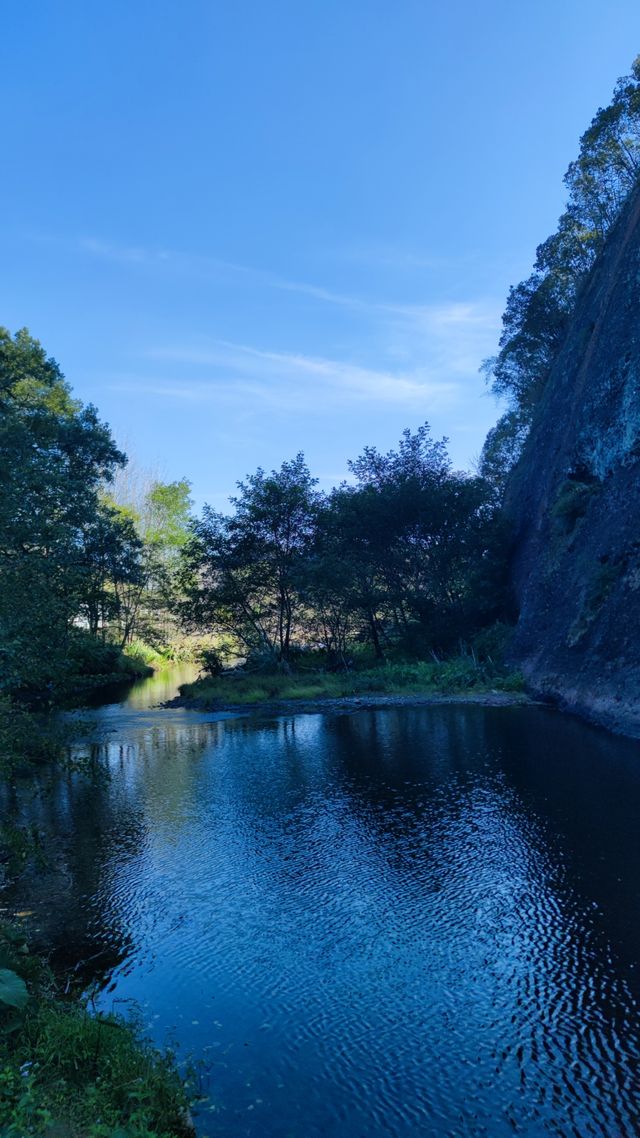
<point x="575" y="501"/>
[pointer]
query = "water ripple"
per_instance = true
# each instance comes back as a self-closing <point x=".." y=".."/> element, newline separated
<point x="389" y="923"/>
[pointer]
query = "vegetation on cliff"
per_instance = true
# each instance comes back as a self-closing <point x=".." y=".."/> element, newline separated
<point x="539" y="309"/>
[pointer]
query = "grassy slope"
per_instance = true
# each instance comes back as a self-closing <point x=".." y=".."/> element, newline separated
<point x="72" y="1074"/>
<point x="447" y="678"/>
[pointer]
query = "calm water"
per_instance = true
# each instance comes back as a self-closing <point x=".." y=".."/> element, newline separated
<point x="403" y="922"/>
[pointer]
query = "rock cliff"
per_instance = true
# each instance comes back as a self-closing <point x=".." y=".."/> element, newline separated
<point x="574" y="499"/>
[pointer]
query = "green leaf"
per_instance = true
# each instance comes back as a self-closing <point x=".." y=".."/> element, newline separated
<point x="13" y="990"/>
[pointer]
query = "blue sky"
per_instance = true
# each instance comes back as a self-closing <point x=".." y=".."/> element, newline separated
<point x="248" y="228"/>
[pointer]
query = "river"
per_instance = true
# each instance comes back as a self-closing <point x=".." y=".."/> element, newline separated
<point x="410" y="921"/>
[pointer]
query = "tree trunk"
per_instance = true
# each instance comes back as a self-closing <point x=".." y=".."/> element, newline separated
<point x="375" y="639"/>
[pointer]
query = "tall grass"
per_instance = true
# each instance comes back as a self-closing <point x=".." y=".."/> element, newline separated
<point x="68" y="1073"/>
<point x="462" y="674"/>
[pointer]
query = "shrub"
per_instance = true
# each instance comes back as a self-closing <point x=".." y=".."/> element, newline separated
<point x="211" y="662"/>
<point x="572" y="502"/>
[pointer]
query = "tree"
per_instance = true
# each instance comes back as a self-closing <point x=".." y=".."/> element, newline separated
<point x="55" y="455"/>
<point x="112" y="570"/>
<point x="539" y="309"/>
<point x="400" y="555"/>
<point x="168" y="518"/>
<point x="345" y="587"/>
<point x="427" y="531"/>
<point x="160" y="516"/>
<point x="502" y="449"/>
<point x="243" y="571"/>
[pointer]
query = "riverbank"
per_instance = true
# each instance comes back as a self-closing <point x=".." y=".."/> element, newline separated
<point x="68" y="1071"/>
<point x="392" y="684"/>
<point x="356" y="702"/>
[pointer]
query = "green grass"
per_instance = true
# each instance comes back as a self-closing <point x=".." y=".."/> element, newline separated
<point x="462" y="674"/>
<point x="141" y="653"/>
<point x="181" y="649"/>
<point x="66" y="1073"/>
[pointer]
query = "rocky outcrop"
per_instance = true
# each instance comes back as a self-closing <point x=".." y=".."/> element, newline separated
<point x="574" y="499"/>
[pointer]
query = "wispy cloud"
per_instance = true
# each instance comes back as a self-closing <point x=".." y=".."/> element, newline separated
<point x="442" y="336"/>
<point x="450" y="339"/>
<point x="419" y="356"/>
<point x="400" y="259"/>
<point x="200" y="264"/>
<point x="426" y="359"/>
<point x="121" y="254"/>
<point x="288" y="381"/>
<point x="432" y="318"/>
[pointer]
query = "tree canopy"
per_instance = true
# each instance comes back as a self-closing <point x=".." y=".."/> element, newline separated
<point x="538" y="310"/>
<point x="55" y="455"/>
<point x="73" y="560"/>
<point x="394" y="558"/>
<point x="244" y="569"/>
